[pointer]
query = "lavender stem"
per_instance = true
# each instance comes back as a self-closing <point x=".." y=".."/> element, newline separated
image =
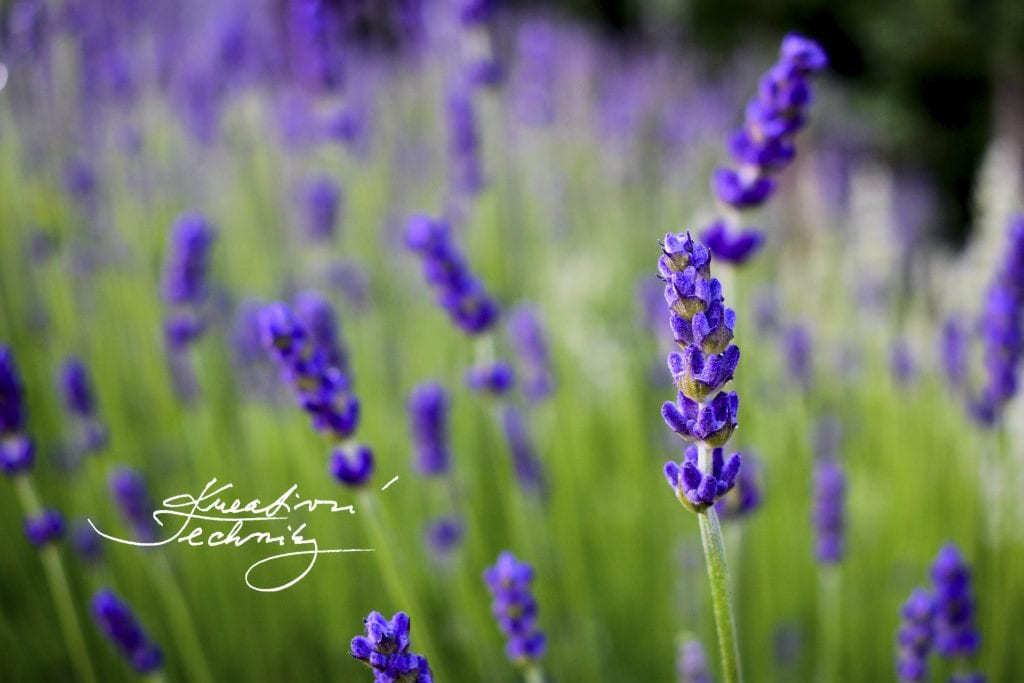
<point x="60" y="589"/>
<point x="533" y="674"/>
<point x="181" y="621"/>
<point x="718" y="579"/>
<point x="828" y="622"/>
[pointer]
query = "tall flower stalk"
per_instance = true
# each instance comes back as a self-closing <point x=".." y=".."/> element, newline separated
<point x="703" y="415"/>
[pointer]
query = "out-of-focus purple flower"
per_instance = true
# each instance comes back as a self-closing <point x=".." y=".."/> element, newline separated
<point x="444" y="267"/>
<point x="132" y="498"/>
<point x="525" y="463"/>
<point x="699" y="490"/>
<point x="712" y="423"/>
<point x="473" y="12"/>
<point x="117" y="622"/>
<point x="692" y="663"/>
<point x="732" y="246"/>
<point x="953" y="349"/>
<point x="80" y="179"/>
<point x="914" y="637"/>
<point x="86" y="542"/>
<point x="46" y="527"/>
<point x="766" y="312"/>
<point x="352" y="282"/>
<point x="314" y="41"/>
<point x="496" y="379"/>
<point x="443" y="535"/>
<point x="76" y="388"/>
<point x="322" y="202"/>
<point x="829" y="515"/>
<point x="955" y="631"/>
<point x="796" y="354"/>
<point x="464" y="162"/>
<point x="901" y="363"/>
<point x="187" y="260"/>
<point x="536" y="43"/>
<point x="428" y="416"/>
<point x="317" y="316"/>
<point x="385" y="649"/>
<point x="352" y="465"/>
<point x="515" y="608"/>
<point x="746" y="495"/>
<point x="529" y="341"/>
<point x="17" y="452"/>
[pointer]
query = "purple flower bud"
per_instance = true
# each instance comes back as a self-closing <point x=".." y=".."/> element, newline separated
<point x="829" y="516"/>
<point x="732" y="247"/>
<point x="743" y="193"/>
<point x="712" y="423"/>
<point x="527" y="467"/>
<point x="385" y="648"/>
<point x="187" y="260"/>
<point x="13" y="414"/>
<point x="515" y="608"/>
<point x="443" y="535"/>
<point x="76" y="388"/>
<point x="46" y="527"/>
<point x="132" y="498"/>
<point x="746" y="495"/>
<point x="352" y="466"/>
<point x="528" y="339"/>
<point x="802" y="53"/>
<point x="698" y="376"/>
<point x="463" y="142"/>
<point x="317" y="316"/>
<point x="17" y="453"/>
<point x="914" y="637"/>
<point x="692" y="663"/>
<point x="698" y="490"/>
<point x="322" y="204"/>
<point x="495" y="379"/>
<point x="121" y="627"/>
<point x="428" y="415"/>
<point x="86" y="542"/>
<point x="955" y="631"/>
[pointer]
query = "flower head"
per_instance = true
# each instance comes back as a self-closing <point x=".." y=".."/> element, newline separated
<point x="914" y="638"/>
<point x="132" y="498"/>
<point x="515" y="608"/>
<point x="428" y="415"/>
<point x="187" y="260"/>
<point x="955" y="631"/>
<point x="496" y="378"/>
<point x="698" y="490"/>
<point x="829" y="515"/>
<point x="46" y="527"/>
<point x="385" y="649"/>
<point x="122" y="628"/>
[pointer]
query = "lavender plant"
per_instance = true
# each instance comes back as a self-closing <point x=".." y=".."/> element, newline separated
<point x="80" y="402"/>
<point x="385" y="649"/>
<point x="515" y="608"/>
<point x="914" y="638"/>
<point x="703" y="327"/>
<point x="531" y="346"/>
<point x="692" y="663"/>
<point x="428" y="415"/>
<point x="956" y="636"/>
<point x="120" y="625"/>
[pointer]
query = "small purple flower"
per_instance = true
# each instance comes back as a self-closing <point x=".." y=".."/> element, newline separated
<point x="713" y="423"/>
<point x="515" y="608"/>
<point x="443" y="535"/>
<point x="496" y="378"/>
<point x="317" y="316"/>
<point x="525" y="463"/>
<point x="699" y="376"/>
<point x="732" y="247"/>
<point x="699" y="490"/>
<point x="428" y="415"/>
<point x="187" y="260"/>
<point x="352" y="465"/>
<point x="528" y="339"/>
<point x="385" y="649"/>
<point x="86" y="542"/>
<point x="829" y="515"/>
<point x="46" y="527"/>
<point x="76" y="388"/>
<point x="955" y="631"/>
<point x="796" y="353"/>
<point x="741" y="192"/>
<point x="122" y="628"/>
<point x="322" y="200"/>
<point x="692" y="663"/>
<point x="17" y="451"/>
<point x="463" y="142"/>
<point x="132" y="498"/>
<point x="914" y="638"/>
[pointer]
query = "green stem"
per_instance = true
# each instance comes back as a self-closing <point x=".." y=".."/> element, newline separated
<point x="181" y="621"/>
<point x="60" y="588"/>
<point x="828" y="622"/>
<point x="532" y="673"/>
<point x="718" y="579"/>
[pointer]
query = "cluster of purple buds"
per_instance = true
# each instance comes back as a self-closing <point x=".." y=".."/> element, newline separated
<point x="428" y="415"/>
<point x="385" y="649"/>
<point x="465" y="165"/>
<point x="131" y="496"/>
<point x="17" y="452"/>
<point x="497" y="378"/>
<point x="316" y="314"/>
<point x="322" y="201"/>
<point x="80" y="401"/>
<point x="459" y="292"/>
<point x="321" y="389"/>
<point x="122" y="628"/>
<point x="829" y="516"/>
<point x="86" y="542"/>
<point x="443" y="535"/>
<point x="525" y="463"/>
<point x="955" y="632"/>
<point x="482" y="66"/>
<point x="1002" y="330"/>
<point x="914" y="638"/>
<point x="530" y="343"/>
<point x="46" y="527"/>
<point x="746" y="495"/>
<point x="184" y="279"/>
<point x="698" y="490"/>
<point x="515" y="608"/>
<point x="692" y="663"/>
<point x="764" y="145"/>
<point x="702" y="328"/>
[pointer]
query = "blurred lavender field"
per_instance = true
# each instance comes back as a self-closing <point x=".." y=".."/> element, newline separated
<point x="328" y="244"/>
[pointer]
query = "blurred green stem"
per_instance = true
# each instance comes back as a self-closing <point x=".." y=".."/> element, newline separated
<point x="181" y="621"/>
<point x="533" y="674"/>
<point x="60" y="589"/>
<point x="828" y="623"/>
<point x="718" y="579"/>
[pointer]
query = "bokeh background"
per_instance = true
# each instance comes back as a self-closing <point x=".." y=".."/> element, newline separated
<point x="598" y="126"/>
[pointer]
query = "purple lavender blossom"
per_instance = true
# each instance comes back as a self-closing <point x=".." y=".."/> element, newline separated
<point x="443" y="535"/>
<point x="796" y="353"/>
<point x="122" y="628"/>
<point x="46" y="527"/>
<point x="185" y="269"/>
<point x="322" y="200"/>
<point x="314" y="43"/>
<point x="537" y="47"/>
<point x="515" y="608"/>
<point x="829" y="515"/>
<point x="955" y="633"/>
<point x="385" y="649"/>
<point x="530" y="344"/>
<point x="496" y="379"/>
<point x="525" y="463"/>
<point x="132" y="498"/>
<point x="699" y="490"/>
<point x="692" y="663"/>
<point x="17" y="451"/>
<point x="80" y="401"/>
<point x="86" y="542"/>
<point x="428" y="415"/>
<point x="444" y="267"/>
<point x="465" y="166"/>
<point x="316" y="314"/>
<point x="352" y="464"/>
<point x="953" y="349"/>
<point x="914" y="637"/>
<point x="732" y="247"/>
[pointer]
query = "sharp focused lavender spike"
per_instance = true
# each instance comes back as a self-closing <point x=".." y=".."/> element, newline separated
<point x="322" y="203"/>
<point x="525" y="462"/>
<point x="428" y="416"/>
<point x="829" y="514"/>
<point x="445" y="269"/>
<point x="699" y="490"/>
<point x="46" y="527"/>
<point x="515" y="608"/>
<point x="17" y="451"/>
<point x="530" y="343"/>
<point x="955" y="633"/>
<point x="385" y="649"/>
<point x="117" y="622"/>
<point x="914" y="638"/>
<point x="132" y="498"/>
<point x="692" y="663"/>
<point x="496" y="379"/>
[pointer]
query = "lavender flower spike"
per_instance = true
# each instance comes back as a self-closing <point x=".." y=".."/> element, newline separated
<point x="428" y="415"/>
<point x="17" y="451"/>
<point x="692" y="663"/>
<point x="46" y="527"/>
<point x="528" y="339"/>
<point x="515" y="608"/>
<point x="829" y="514"/>
<point x="132" y="498"/>
<point x="385" y="649"/>
<point x="697" y="490"/>
<point x="914" y="637"/>
<point x="80" y="402"/>
<point x="955" y="633"/>
<point x="122" y="628"/>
